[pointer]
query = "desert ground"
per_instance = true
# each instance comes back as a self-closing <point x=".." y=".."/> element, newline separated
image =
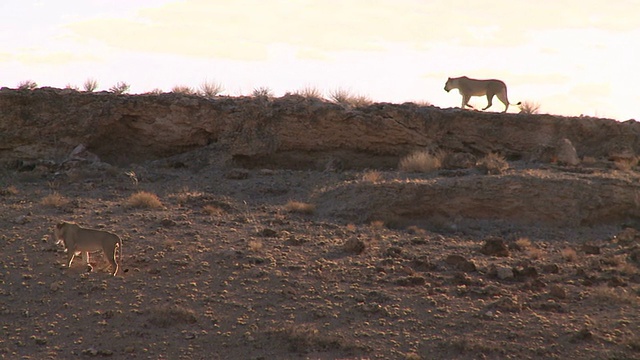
<point x="295" y="253"/>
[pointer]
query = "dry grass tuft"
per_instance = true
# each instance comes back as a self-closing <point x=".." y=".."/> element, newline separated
<point x="262" y="92"/>
<point x="310" y="93"/>
<point x="422" y="161"/>
<point x="255" y="245"/>
<point x="9" y="191"/>
<point x="90" y="85"/>
<point x="492" y="164"/>
<point x="529" y="107"/>
<point x="344" y="97"/>
<point x="372" y="176"/>
<point x="614" y="295"/>
<point x="213" y="210"/>
<point x="569" y="254"/>
<point x="120" y="88"/>
<point x="183" y="89"/>
<point x="27" y="85"/>
<point x="165" y="316"/>
<point x="300" y="207"/>
<point x="143" y="199"/>
<point x="210" y="89"/>
<point x="54" y="200"/>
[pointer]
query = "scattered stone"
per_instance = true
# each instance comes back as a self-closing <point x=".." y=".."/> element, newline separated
<point x="526" y="272"/>
<point x="354" y="245"/>
<point x="550" y="268"/>
<point x="411" y="281"/>
<point x="591" y="249"/>
<point x="237" y="174"/>
<point x="617" y="281"/>
<point x="627" y="236"/>
<point x="461" y="263"/>
<point x="166" y="222"/>
<point x="90" y="351"/>
<point x="558" y="292"/>
<point x="266" y="232"/>
<point x="21" y="220"/>
<point x="504" y="273"/>
<point x="495" y="247"/>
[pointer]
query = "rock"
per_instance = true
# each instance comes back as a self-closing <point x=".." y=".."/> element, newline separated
<point x="495" y="247"/>
<point x="551" y="268"/>
<point x="566" y="153"/>
<point x="461" y="263"/>
<point x="166" y="222"/>
<point x="504" y="273"/>
<point x="557" y="292"/>
<point x="354" y="245"/>
<point x="591" y="249"/>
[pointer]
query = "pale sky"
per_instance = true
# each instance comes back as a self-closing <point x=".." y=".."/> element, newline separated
<point x="572" y="57"/>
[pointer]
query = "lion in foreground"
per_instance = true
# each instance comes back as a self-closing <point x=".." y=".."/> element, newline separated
<point x="472" y="87"/>
<point x="77" y="239"/>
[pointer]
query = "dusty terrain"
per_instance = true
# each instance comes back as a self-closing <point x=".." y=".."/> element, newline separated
<point x="539" y="260"/>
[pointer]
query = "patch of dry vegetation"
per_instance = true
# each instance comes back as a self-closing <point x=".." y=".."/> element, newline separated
<point x="422" y="161"/>
<point x="90" y="85"/>
<point x="165" y="316"/>
<point x="144" y="199"/>
<point x="120" y="88"/>
<point x="310" y="92"/>
<point x="492" y="164"/>
<point x="372" y="176"/>
<point x="27" y="85"/>
<point x="9" y="191"/>
<point x="210" y="89"/>
<point x="300" y="207"/>
<point x="54" y="200"/>
<point x="183" y="89"/>
<point x="346" y="98"/>
<point x="529" y="107"/>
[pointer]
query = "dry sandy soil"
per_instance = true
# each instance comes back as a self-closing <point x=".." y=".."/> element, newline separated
<point x="274" y="263"/>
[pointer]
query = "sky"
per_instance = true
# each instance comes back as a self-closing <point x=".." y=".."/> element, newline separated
<point x="572" y="57"/>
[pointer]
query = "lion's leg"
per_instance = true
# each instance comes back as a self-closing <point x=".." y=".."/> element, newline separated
<point x="110" y="254"/>
<point x="465" y="102"/>
<point x="489" y="101"/>
<point x="502" y="96"/>
<point x="70" y="256"/>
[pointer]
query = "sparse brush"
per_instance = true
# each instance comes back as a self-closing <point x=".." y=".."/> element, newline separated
<point x="210" y="89"/>
<point x="183" y="89"/>
<point x="120" y="88"/>
<point x="167" y="315"/>
<point x="156" y="91"/>
<point x="213" y="210"/>
<point x="493" y="164"/>
<point x="90" y="85"/>
<point x="27" y="85"/>
<point x="422" y="161"/>
<point x="569" y="254"/>
<point x="614" y="295"/>
<point x="54" y="200"/>
<point x="143" y="199"/>
<point x="529" y="107"/>
<point x="344" y="97"/>
<point x="262" y="92"/>
<point x="310" y="93"/>
<point x="71" y="87"/>
<point x="300" y="207"/>
<point x="372" y="176"/>
<point x="255" y="245"/>
<point x="9" y="191"/>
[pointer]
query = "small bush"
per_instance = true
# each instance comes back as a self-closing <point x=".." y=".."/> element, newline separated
<point x="9" y="191"/>
<point x="90" y="85"/>
<point x="183" y="89"/>
<point x="27" y="85"/>
<point x="372" y="176"/>
<point x="143" y="199"/>
<point x="213" y="210"/>
<point x="71" y="87"/>
<point x="344" y="97"/>
<point x="167" y="315"/>
<point x="300" y="207"/>
<point x="310" y="93"/>
<point x="569" y="254"/>
<point x="529" y="107"/>
<point x="422" y="161"/>
<point x="262" y="92"/>
<point x="210" y="89"/>
<point x="156" y="91"/>
<point x="493" y="164"/>
<point x="54" y="200"/>
<point x="120" y="88"/>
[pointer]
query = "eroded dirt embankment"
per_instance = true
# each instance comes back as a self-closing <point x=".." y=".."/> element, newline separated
<point x="289" y="132"/>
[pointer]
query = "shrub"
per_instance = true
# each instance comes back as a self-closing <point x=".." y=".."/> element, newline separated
<point x="156" y="91"/>
<point x="372" y="176"/>
<point x="143" y="199"/>
<point x="71" y="87"/>
<point x="262" y="92"/>
<point x="344" y="97"/>
<point x="310" y="93"/>
<point x="529" y="107"/>
<point x="210" y="89"/>
<point x="493" y="164"/>
<point x="300" y="207"/>
<point x="422" y="161"/>
<point x="167" y="315"/>
<point x="183" y="89"/>
<point x="27" y="85"/>
<point x="120" y="88"/>
<point x="54" y="200"/>
<point x="90" y="85"/>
